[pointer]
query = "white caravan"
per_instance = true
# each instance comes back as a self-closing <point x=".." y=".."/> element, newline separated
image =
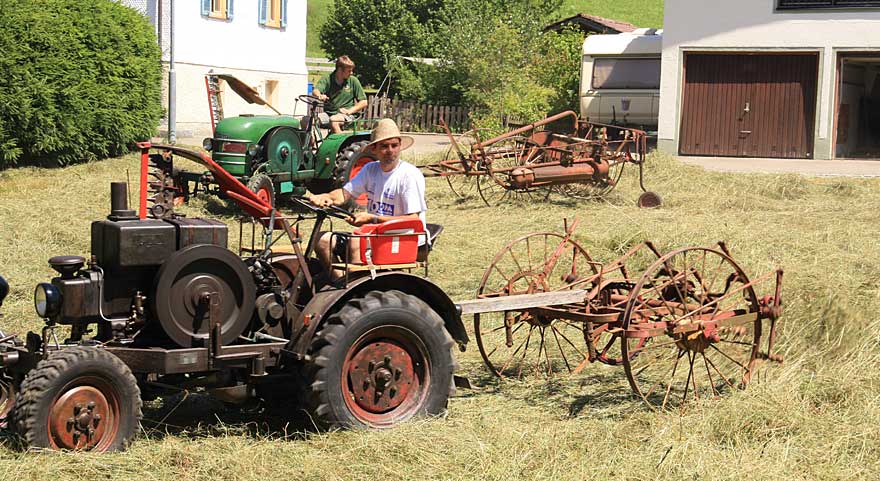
<point x="620" y="79"/>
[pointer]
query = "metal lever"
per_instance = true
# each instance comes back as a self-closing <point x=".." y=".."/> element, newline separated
<point x="747" y="109"/>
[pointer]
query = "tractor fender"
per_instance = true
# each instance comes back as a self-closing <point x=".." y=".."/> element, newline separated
<point x="326" y="302"/>
<point x="325" y="157"/>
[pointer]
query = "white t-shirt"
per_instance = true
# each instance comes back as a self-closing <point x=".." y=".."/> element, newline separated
<point x="399" y="192"/>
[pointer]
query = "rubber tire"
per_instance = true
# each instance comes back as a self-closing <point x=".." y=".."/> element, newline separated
<point x="44" y="384"/>
<point x="342" y="169"/>
<point x="359" y="316"/>
<point x="262" y="182"/>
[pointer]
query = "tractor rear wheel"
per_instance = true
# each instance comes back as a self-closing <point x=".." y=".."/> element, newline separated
<point x="261" y="185"/>
<point x="81" y="398"/>
<point x="348" y="163"/>
<point x="382" y="359"/>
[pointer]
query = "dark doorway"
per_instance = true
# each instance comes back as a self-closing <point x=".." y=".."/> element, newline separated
<point x="857" y="134"/>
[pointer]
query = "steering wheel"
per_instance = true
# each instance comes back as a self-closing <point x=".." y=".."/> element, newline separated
<point x="310" y="100"/>
<point x="332" y="211"/>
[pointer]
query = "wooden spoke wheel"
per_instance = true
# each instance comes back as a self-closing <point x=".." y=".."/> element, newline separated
<point x="500" y="159"/>
<point x="80" y="398"/>
<point x="692" y="328"/>
<point x="513" y="343"/>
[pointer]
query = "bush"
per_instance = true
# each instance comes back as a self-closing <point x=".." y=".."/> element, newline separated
<point x="81" y="81"/>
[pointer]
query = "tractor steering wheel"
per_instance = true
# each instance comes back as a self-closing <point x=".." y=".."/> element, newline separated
<point x="332" y="211"/>
<point x="310" y="100"/>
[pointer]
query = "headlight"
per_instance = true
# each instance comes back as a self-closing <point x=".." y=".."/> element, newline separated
<point x="253" y="150"/>
<point x="47" y="300"/>
<point x="208" y="144"/>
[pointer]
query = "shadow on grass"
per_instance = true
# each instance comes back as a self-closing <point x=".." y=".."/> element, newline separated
<point x="197" y="415"/>
<point x="602" y="394"/>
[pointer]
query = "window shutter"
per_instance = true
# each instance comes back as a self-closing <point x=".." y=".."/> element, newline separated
<point x="206" y="7"/>
<point x="229" y="9"/>
<point x="283" y="13"/>
<point x="263" y="11"/>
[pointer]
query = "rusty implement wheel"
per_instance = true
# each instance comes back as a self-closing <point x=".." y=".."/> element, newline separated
<point x="80" y="398"/>
<point x="462" y="185"/>
<point x="692" y="328"/>
<point x="515" y="344"/>
<point x="497" y="185"/>
<point x="381" y="359"/>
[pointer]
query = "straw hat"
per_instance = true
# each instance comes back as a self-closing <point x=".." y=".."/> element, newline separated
<point x="386" y="129"/>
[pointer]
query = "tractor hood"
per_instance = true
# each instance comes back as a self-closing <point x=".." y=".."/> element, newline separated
<point x="252" y="128"/>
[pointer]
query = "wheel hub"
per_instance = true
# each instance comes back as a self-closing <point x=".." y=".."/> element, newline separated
<point x="381" y="376"/>
<point x="78" y="419"/>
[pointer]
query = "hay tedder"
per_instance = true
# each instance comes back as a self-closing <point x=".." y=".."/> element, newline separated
<point x="576" y="159"/>
<point x="684" y="325"/>
<point x="162" y="306"/>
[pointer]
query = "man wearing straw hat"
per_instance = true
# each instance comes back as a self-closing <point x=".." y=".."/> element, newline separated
<point x="395" y="190"/>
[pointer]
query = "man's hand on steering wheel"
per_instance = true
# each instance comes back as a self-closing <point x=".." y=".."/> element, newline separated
<point x="361" y="218"/>
<point x="321" y="200"/>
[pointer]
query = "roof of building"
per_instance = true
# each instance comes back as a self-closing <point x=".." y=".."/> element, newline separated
<point x="592" y="24"/>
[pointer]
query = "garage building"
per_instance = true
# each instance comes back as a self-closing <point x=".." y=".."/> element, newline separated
<point x="771" y="78"/>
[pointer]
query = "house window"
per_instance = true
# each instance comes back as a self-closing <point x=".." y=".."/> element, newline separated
<point x="273" y="13"/>
<point x="810" y="4"/>
<point x="271" y="90"/>
<point x="626" y="73"/>
<point x="220" y="9"/>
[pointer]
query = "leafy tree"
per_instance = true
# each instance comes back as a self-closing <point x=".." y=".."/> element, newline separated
<point x="374" y="32"/>
<point x="81" y="80"/>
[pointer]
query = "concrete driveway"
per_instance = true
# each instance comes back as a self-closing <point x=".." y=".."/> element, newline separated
<point x="821" y="168"/>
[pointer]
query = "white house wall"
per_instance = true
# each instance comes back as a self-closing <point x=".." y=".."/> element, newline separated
<point x="754" y="25"/>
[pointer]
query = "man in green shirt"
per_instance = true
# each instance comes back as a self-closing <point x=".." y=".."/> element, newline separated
<point x="341" y="93"/>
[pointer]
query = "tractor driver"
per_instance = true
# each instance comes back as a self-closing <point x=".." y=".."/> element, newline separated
<point x="395" y="190"/>
<point x="341" y="93"/>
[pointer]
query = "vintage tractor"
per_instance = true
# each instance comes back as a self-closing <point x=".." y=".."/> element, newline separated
<point x="273" y="154"/>
<point x="161" y="305"/>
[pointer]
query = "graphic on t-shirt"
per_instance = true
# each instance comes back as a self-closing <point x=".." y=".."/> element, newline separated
<point x="381" y="208"/>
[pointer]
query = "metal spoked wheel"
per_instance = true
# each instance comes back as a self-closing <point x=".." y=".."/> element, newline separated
<point x="462" y="185"/>
<point x="500" y="159"/>
<point x="515" y="343"/>
<point x="709" y="342"/>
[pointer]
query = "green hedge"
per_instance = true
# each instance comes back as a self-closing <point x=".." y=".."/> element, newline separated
<point x="79" y="80"/>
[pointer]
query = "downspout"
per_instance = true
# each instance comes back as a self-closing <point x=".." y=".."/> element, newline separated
<point x="172" y="83"/>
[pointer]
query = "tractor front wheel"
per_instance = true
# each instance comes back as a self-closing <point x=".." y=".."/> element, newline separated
<point x="382" y="359"/>
<point x="81" y="398"/>
<point x="261" y="185"/>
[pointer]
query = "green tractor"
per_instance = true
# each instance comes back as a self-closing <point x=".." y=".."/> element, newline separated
<point x="274" y="155"/>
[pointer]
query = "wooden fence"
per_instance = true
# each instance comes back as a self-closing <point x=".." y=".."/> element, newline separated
<point x="416" y="117"/>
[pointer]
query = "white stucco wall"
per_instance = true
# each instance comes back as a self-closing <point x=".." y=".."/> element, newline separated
<point x="754" y="25"/>
<point x="241" y="46"/>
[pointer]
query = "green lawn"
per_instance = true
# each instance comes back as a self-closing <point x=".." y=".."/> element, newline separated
<point x="642" y="13"/>
<point x="815" y="417"/>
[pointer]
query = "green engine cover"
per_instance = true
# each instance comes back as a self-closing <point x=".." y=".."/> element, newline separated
<point x="249" y="130"/>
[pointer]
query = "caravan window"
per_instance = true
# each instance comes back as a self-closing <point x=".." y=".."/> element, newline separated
<point x="626" y="73"/>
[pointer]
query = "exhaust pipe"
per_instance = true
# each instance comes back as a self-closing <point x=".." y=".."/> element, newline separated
<point x="119" y="203"/>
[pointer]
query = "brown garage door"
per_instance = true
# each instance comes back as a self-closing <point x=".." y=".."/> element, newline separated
<point x="749" y="105"/>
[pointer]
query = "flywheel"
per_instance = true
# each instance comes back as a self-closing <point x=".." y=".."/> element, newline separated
<point x="187" y="279"/>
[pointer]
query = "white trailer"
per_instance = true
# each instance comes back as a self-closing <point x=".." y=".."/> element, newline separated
<point x="620" y="79"/>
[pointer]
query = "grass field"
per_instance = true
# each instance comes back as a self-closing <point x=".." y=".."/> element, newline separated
<point x="642" y="13"/>
<point x="815" y="417"/>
